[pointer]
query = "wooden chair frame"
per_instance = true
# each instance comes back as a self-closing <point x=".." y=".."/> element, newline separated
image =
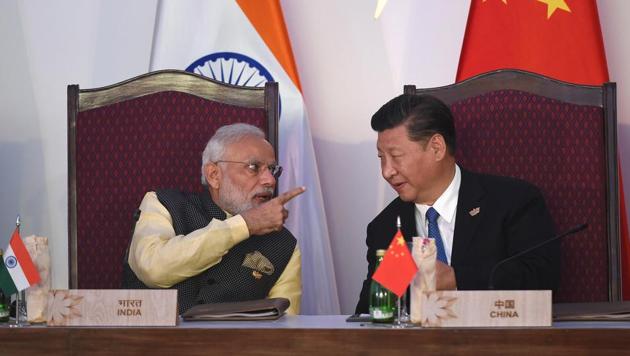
<point x="159" y="81"/>
<point x="601" y="96"/>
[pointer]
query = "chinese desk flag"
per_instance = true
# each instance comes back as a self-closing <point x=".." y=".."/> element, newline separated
<point x="561" y="39"/>
<point x="397" y="268"/>
<point x="18" y="272"/>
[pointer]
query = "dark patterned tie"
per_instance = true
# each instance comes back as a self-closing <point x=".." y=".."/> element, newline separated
<point x="434" y="232"/>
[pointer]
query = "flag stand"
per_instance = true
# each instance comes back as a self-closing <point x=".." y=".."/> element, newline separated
<point x="19" y="296"/>
<point x="19" y="321"/>
<point x="399" y="323"/>
<point x="404" y="316"/>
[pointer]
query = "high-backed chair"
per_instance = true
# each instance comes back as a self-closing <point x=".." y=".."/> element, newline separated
<point x="561" y="137"/>
<point x="139" y="135"/>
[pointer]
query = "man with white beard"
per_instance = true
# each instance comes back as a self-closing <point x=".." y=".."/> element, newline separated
<point x="227" y="243"/>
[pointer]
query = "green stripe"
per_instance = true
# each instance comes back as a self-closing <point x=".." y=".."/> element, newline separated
<point x="6" y="282"/>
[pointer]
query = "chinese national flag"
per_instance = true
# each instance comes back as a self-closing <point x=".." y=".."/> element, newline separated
<point x="561" y="39"/>
<point x="397" y="268"/>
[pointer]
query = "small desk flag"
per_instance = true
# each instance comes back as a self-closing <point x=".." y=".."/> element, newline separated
<point x="17" y="271"/>
<point x="397" y="269"/>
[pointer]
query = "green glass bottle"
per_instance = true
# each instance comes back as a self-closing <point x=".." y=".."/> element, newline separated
<point x="382" y="301"/>
<point x="4" y="307"/>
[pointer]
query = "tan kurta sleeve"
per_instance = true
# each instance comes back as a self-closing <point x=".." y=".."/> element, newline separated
<point x="161" y="259"/>
<point x="289" y="284"/>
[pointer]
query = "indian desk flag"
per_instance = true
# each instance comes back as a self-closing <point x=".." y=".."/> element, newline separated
<point x="245" y="42"/>
<point x="18" y="271"/>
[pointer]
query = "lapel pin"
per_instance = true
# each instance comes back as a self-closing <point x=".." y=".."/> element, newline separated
<point x="474" y="211"/>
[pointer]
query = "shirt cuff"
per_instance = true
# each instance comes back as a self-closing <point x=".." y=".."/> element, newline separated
<point x="238" y="227"/>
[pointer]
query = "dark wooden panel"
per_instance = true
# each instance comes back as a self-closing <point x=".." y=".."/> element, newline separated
<point x="367" y="341"/>
<point x="31" y="341"/>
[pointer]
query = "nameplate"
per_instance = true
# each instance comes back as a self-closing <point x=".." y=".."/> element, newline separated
<point x="482" y="308"/>
<point x="112" y="307"/>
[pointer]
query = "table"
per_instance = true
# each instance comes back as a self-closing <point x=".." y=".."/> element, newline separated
<point x="316" y="335"/>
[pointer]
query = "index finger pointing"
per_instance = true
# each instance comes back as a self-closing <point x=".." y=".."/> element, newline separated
<point x="285" y="197"/>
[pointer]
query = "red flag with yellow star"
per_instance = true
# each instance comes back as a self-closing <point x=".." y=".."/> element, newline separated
<point x="397" y="268"/>
<point x="561" y="39"/>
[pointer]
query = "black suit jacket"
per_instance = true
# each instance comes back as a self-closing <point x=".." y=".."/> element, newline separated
<point x="512" y="217"/>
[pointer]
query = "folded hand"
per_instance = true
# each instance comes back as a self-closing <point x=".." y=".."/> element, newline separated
<point x="444" y="276"/>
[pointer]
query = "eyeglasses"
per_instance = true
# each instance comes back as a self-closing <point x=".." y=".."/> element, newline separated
<point x="256" y="168"/>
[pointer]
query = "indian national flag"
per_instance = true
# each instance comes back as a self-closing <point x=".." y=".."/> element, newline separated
<point x="246" y="43"/>
<point x="18" y="271"/>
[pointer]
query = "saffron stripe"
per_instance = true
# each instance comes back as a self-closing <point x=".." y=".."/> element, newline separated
<point x="267" y="19"/>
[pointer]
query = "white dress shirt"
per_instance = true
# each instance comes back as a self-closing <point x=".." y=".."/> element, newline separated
<point x="446" y="206"/>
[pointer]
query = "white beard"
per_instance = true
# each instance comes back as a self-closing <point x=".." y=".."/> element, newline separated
<point x="234" y="200"/>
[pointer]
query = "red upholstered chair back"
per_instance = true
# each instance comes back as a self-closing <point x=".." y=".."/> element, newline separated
<point x="136" y="136"/>
<point x="562" y="138"/>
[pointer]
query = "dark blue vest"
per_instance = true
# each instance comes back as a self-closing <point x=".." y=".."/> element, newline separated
<point x="229" y="280"/>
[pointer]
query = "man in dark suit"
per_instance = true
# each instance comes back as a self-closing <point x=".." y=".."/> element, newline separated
<point x="477" y="220"/>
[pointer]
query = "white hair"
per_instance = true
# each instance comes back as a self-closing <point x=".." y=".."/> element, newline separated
<point x="224" y="136"/>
